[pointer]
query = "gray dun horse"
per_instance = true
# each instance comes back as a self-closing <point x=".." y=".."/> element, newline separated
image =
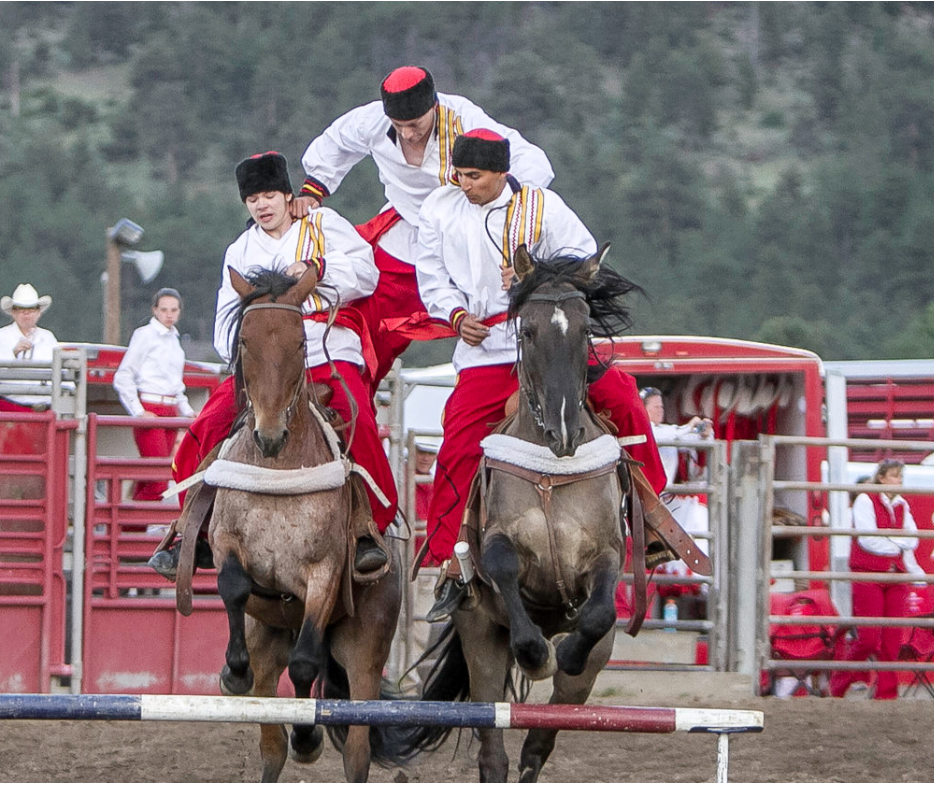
<point x="550" y="544"/>
<point x="283" y="558"/>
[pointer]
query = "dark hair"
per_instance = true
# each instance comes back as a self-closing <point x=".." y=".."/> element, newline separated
<point x="166" y="293"/>
<point x="885" y="466"/>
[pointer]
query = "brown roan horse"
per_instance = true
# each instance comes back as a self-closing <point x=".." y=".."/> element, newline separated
<point x="551" y="545"/>
<point x="283" y="558"/>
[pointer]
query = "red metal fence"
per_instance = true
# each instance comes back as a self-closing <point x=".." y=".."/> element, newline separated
<point x="133" y="640"/>
<point x="33" y="531"/>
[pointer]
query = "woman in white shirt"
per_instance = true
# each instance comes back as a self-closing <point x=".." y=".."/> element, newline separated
<point x="888" y="548"/>
<point x="149" y="383"/>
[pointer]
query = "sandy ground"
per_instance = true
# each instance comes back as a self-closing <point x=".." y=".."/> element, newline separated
<point x="805" y="740"/>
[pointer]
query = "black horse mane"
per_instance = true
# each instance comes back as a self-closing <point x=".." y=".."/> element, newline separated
<point x="604" y="293"/>
<point x="265" y="282"/>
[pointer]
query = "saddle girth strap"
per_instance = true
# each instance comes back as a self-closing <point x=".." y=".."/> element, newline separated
<point x="201" y="504"/>
<point x="545" y="483"/>
<point x="661" y="523"/>
<point x="637" y="531"/>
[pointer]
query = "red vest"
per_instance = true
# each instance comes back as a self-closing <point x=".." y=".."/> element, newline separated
<point x="861" y="560"/>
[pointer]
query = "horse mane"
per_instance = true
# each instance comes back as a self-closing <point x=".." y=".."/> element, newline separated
<point x="265" y="282"/>
<point x="604" y="293"/>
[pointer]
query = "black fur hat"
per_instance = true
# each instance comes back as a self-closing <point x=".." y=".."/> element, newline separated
<point x="263" y="173"/>
<point x="408" y="92"/>
<point x="481" y="148"/>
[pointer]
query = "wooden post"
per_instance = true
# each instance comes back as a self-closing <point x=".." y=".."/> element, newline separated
<point x="112" y="298"/>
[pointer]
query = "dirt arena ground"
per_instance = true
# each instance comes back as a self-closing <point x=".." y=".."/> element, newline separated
<point x="805" y="740"/>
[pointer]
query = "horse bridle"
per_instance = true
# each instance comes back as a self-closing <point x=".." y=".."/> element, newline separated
<point x="534" y="407"/>
<point x="301" y="382"/>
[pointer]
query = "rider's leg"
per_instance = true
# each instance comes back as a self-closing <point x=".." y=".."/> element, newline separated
<point x="477" y="401"/>
<point x="206" y="432"/>
<point x="366" y="450"/>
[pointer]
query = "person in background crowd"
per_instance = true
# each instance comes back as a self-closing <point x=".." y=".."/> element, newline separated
<point x="410" y="135"/>
<point x="689" y="510"/>
<point x="888" y="548"/>
<point x="463" y="275"/>
<point x="149" y="383"/>
<point x="25" y="340"/>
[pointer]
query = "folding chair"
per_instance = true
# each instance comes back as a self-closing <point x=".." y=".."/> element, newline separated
<point x="920" y="645"/>
<point x="803" y="641"/>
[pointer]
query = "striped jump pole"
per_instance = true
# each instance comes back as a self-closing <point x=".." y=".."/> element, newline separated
<point x="339" y="712"/>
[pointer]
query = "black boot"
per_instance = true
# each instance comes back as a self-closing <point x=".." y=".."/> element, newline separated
<point x="165" y="562"/>
<point x="447" y="600"/>
<point x="369" y="556"/>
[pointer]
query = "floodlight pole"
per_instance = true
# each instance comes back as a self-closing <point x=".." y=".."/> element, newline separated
<point x="112" y="299"/>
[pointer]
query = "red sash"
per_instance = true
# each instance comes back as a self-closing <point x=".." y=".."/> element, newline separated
<point x="374" y="228"/>
<point x="352" y="319"/>
<point x="421" y="327"/>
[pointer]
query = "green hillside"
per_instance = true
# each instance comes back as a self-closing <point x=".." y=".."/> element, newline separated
<point x="764" y="171"/>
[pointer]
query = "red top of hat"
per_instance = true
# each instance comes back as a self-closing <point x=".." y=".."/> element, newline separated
<point x="403" y="78"/>
<point x="266" y="154"/>
<point x="484" y="134"/>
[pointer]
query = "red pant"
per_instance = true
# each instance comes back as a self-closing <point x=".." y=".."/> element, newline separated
<point x="154" y="442"/>
<point x="395" y="314"/>
<point x="479" y="400"/>
<point x="216" y="418"/>
<point x="875" y="599"/>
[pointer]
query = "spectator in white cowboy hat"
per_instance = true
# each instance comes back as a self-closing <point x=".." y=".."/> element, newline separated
<point x="25" y="340"/>
<point x="149" y="383"/>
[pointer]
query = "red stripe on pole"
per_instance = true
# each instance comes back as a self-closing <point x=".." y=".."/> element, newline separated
<point x="571" y="717"/>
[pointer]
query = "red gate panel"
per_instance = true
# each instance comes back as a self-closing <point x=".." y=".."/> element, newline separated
<point x="33" y="527"/>
<point x="134" y="639"/>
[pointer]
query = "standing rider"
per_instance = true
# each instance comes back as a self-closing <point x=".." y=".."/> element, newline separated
<point x="326" y="241"/>
<point x="467" y="237"/>
<point x="410" y="135"/>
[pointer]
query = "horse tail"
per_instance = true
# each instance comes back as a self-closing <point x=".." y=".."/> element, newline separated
<point x="383" y="742"/>
<point x="448" y="680"/>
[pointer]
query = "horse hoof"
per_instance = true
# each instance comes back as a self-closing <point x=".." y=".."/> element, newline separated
<point x="546" y="669"/>
<point x="236" y="686"/>
<point x="306" y="749"/>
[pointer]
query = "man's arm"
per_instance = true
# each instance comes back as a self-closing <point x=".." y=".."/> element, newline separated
<point x="331" y="155"/>
<point x="227" y="298"/>
<point x="347" y="271"/>
<point x="563" y="231"/>
<point x="441" y="297"/>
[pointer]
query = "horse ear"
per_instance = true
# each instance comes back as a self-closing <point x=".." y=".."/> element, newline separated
<point x="306" y="285"/>
<point x="240" y="284"/>
<point x="591" y="265"/>
<point x="522" y="262"/>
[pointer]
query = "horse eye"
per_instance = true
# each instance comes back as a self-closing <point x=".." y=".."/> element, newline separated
<point x="526" y="333"/>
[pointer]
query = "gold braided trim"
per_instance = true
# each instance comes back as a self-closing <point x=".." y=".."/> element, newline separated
<point x="311" y="246"/>
<point x="523" y="224"/>
<point x="449" y="127"/>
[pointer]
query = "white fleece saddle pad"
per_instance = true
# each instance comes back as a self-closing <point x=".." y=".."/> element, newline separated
<point x="540" y="459"/>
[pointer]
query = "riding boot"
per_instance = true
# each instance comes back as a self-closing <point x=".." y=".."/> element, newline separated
<point x="371" y="558"/>
<point x="449" y="591"/>
<point x="165" y="559"/>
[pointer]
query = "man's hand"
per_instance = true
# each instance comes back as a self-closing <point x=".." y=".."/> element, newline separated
<point x="22" y="346"/>
<point x="301" y="205"/>
<point x="296" y="269"/>
<point x="509" y="275"/>
<point x="472" y="330"/>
